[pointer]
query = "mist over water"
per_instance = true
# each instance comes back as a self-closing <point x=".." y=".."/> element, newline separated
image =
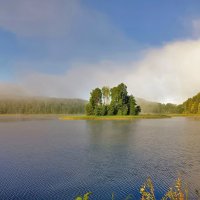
<point x="52" y="159"/>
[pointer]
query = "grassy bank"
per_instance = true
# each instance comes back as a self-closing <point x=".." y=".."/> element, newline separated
<point x="184" y="115"/>
<point x="4" y="117"/>
<point x="85" y="117"/>
<point x="116" y="117"/>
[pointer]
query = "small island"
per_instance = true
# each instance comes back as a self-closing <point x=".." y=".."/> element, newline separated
<point x="110" y="102"/>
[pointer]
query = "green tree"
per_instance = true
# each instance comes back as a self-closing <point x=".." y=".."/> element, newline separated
<point x="89" y="109"/>
<point x="111" y="109"/>
<point x="132" y="105"/>
<point x="124" y="109"/>
<point x="104" y="110"/>
<point x="106" y="95"/>
<point x="96" y="97"/>
<point x="95" y="102"/>
<point x="119" y="98"/>
<point x="121" y="103"/>
<point x="137" y="110"/>
<point x="199" y="108"/>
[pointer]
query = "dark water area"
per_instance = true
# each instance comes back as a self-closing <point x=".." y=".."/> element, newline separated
<point x="52" y="159"/>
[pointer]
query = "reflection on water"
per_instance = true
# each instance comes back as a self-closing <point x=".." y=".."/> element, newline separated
<point x="54" y="159"/>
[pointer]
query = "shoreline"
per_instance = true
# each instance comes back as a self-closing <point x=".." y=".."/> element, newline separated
<point x="115" y="117"/>
<point x="68" y="117"/>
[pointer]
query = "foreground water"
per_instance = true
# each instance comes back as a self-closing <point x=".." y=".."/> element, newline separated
<point x="52" y="159"/>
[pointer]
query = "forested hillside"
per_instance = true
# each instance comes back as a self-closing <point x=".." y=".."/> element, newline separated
<point x="159" y="108"/>
<point x="38" y="105"/>
<point x="41" y="105"/>
<point x="192" y="105"/>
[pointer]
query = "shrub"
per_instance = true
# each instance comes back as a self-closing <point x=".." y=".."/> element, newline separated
<point x="178" y="192"/>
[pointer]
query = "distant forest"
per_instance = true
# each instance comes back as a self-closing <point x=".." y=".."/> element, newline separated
<point x="30" y="105"/>
<point x="191" y="106"/>
<point x="159" y="108"/>
<point x="39" y="105"/>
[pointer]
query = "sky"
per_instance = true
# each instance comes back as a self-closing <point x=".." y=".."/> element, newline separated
<point x="65" y="48"/>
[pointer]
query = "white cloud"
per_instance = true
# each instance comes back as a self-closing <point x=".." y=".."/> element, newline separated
<point x="76" y="82"/>
<point x="53" y="18"/>
<point x="66" y="30"/>
<point x="11" y="90"/>
<point x="169" y="73"/>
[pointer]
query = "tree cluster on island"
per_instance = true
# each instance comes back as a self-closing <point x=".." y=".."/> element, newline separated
<point x="114" y="101"/>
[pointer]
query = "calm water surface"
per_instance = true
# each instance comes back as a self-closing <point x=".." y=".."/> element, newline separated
<point x="52" y="159"/>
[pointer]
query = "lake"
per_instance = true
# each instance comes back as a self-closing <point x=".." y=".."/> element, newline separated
<point x="52" y="159"/>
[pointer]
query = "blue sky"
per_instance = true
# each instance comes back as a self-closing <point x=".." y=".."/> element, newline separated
<point x="152" y="22"/>
<point x="55" y="39"/>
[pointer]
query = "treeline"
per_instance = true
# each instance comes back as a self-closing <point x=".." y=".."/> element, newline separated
<point x="192" y="105"/>
<point x="41" y="106"/>
<point x="159" y="108"/>
<point x="114" y="101"/>
<point x="105" y="101"/>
